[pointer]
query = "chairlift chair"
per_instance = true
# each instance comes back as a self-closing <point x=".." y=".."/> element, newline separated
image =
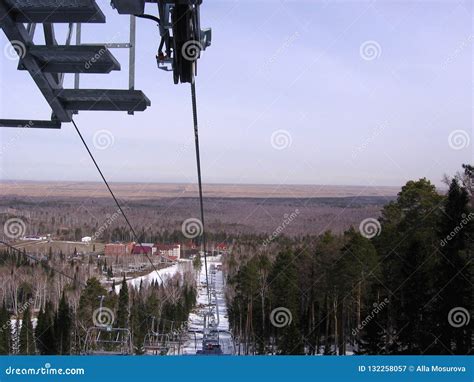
<point x="106" y="340"/>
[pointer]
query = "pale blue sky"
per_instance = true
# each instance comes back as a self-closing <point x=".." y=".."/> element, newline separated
<point x="294" y="66"/>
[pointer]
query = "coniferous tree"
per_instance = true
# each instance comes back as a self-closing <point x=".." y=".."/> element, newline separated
<point x="407" y="247"/>
<point x="27" y="335"/>
<point x="63" y="326"/>
<point x="44" y="331"/>
<point x="285" y="292"/>
<point x="5" y="331"/>
<point x="123" y="306"/>
<point x="371" y="334"/>
<point x="415" y="319"/>
<point x="138" y="319"/>
<point x="454" y="276"/>
<point x="355" y="271"/>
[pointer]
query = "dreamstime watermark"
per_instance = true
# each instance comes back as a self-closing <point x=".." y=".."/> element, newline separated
<point x="375" y="133"/>
<point x="95" y="58"/>
<point x="459" y="49"/>
<point x="45" y="370"/>
<point x="281" y="49"/>
<point x="14" y="49"/>
<point x="377" y="308"/>
<point x="459" y="317"/>
<point x="103" y="317"/>
<point x="281" y="317"/>
<point x="465" y="220"/>
<point x="192" y="228"/>
<point x="459" y="139"/>
<point x="287" y="220"/>
<point x="281" y="139"/>
<point x="108" y="222"/>
<point x="7" y="325"/>
<point x="191" y="50"/>
<point x="370" y="50"/>
<point x="369" y="228"/>
<point x="103" y="139"/>
<point x="19" y="134"/>
<point x="14" y="228"/>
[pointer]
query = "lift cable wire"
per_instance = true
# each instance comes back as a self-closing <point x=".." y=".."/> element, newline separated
<point x="149" y="17"/>
<point x="198" y="164"/>
<point x="40" y="262"/>
<point x="116" y="201"/>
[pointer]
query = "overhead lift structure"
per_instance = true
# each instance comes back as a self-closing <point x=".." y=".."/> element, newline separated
<point x="47" y="64"/>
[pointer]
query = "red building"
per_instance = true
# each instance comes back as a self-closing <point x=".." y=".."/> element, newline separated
<point x="118" y="249"/>
<point x="142" y="250"/>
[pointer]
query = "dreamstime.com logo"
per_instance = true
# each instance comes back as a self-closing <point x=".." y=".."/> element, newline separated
<point x="44" y="370"/>
<point x="370" y="50"/>
<point x="103" y="317"/>
<point x="459" y="139"/>
<point x="281" y="317"/>
<point x="370" y="228"/>
<point x="191" y="50"/>
<point x="192" y="228"/>
<point x="459" y="317"/>
<point x="14" y="50"/>
<point x="14" y="228"/>
<point x="281" y="139"/>
<point x="103" y="139"/>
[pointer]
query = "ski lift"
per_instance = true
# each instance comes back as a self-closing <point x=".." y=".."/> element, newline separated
<point x="213" y="343"/>
<point x="104" y="339"/>
<point x="164" y="343"/>
<point x="156" y="343"/>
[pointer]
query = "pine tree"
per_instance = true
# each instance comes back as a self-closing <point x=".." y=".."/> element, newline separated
<point x="123" y="306"/>
<point x="370" y="341"/>
<point x="63" y="326"/>
<point x="44" y="331"/>
<point x="90" y="302"/>
<point x="138" y="318"/>
<point x="197" y="264"/>
<point x="356" y="270"/>
<point x="5" y="331"/>
<point x="27" y="335"/>
<point x="454" y="277"/>
<point x="407" y="246"/>
<point x="285" y="292"/>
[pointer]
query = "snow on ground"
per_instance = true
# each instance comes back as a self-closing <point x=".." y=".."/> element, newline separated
<point x="196" y="318"/>
<point x="160" y="275"/>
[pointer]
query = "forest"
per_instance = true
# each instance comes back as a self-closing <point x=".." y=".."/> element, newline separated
<point x="60" y="327"/>
<point x="402" y="287"/>
<point x="401" y="284"/>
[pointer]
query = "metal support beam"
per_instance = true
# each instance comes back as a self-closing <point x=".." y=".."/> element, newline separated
<point x="50" y="40"/>
<point x="78" y="42"/>
<point x="30" y="124"/>
<point x="131" y="60"/>
<point x="131" y="69"/>
<point x="45" y="81"/>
